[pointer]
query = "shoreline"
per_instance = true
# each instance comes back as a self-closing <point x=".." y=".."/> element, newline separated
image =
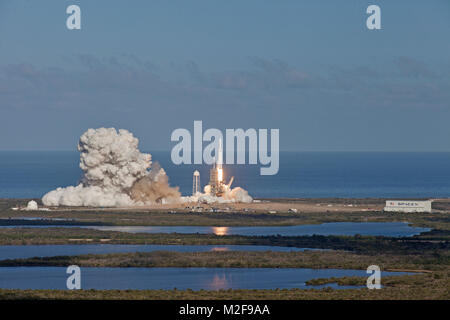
<point x="274" y="212"/>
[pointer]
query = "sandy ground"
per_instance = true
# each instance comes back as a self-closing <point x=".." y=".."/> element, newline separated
<point x="263" y="205"/>
<point x="258" y="206"/>
<point x="299" y="206"/>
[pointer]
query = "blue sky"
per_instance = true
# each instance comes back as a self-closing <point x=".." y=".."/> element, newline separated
<point x="310" y="68"/>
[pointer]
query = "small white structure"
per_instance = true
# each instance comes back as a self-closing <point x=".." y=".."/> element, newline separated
<point x="196" y="183"/>
<point x="408" y="206"/>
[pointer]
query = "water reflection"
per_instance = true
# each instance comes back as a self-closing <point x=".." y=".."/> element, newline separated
<point x="220" y="231"/>
<point x="169" y="278"/>
<point x="220" y="282"/>
<point x="220" y="249"/>
<point x="389" y="229"/>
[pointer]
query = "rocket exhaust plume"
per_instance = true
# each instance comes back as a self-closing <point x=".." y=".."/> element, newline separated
<point x="154" y="188"/>
<point x="115" y="173"/>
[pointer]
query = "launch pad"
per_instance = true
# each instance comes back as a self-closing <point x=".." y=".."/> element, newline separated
<point x="216" y="177"/>
<point x="216" y="186"/>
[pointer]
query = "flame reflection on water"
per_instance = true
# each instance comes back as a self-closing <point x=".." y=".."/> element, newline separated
<point x="220" y="231"/>
<point x="220" y="282"/>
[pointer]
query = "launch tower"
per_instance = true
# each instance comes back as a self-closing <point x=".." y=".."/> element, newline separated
<point x="196" y="183"/>
<point x="216" y="174"/>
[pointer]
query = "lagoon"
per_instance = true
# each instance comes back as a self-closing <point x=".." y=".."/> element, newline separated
<point x="29" y="251"/>
<point x="388" y="229"/>
<point x="170" y="278"/>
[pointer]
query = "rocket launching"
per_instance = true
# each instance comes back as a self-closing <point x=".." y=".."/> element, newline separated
<point x="117" y="174"/>
<point x="218" y="190"/>
<point x="216" y="174"/>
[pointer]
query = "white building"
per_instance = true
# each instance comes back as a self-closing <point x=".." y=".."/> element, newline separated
<point x="408" y="206"/>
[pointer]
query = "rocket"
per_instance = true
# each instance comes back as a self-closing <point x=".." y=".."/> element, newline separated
<point x="219" y="161"/>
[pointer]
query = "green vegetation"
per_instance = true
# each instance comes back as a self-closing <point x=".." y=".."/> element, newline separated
<point x="437" y="260"/>
<point x="344" y="281"/>
<point x="436" y="240"/>
<point x="390" y="281"/>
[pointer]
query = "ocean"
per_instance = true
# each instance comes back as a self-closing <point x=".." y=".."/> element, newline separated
<point x="30" y="174"/>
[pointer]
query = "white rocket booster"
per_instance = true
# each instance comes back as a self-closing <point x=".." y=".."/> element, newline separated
<point x="219" y="161"/>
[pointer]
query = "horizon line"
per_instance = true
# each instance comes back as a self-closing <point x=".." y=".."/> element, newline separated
<point x="321" y="151"/>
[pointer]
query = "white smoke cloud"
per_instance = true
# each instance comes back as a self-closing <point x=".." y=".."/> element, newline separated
<point x="117" y="174"/>
<point x="112" y="165"/>
<point x="230" y="195"/>
<point x="32" y="205"/>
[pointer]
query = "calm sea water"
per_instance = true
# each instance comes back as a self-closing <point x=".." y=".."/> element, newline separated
<point x="303" y="174"/>
<point x="169" y="278"/>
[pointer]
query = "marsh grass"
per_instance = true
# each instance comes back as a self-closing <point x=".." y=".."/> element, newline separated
<point x="241" y="259"/>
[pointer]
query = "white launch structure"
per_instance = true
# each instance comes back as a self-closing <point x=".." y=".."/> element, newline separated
<point x="196" y="183"/>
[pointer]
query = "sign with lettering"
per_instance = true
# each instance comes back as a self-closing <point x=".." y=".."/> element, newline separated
<point x="407" y="206"/>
